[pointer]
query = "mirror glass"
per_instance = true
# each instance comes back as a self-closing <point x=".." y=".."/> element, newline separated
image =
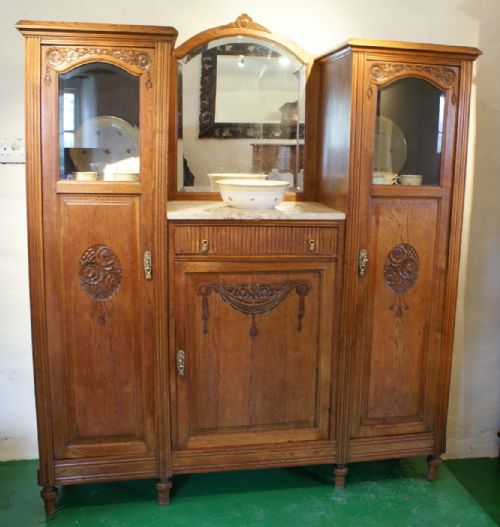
<point x="98" y="124"/>
<point x="241" y="114"/>
<point x="408" y="133"/>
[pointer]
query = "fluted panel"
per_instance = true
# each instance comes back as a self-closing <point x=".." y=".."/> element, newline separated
<point x="234" y="240"/>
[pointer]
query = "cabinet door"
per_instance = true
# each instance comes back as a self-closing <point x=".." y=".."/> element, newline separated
<point x="405" y="180"/>
<point x="256" y="341"/>
<point x="97" y="133"/>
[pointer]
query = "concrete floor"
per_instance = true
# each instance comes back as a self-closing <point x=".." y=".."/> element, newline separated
<point x="391" y="493"/>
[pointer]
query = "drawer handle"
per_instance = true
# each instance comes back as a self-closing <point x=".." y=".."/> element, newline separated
<point x="204" y="246"/>
<point x="312" y="245"/>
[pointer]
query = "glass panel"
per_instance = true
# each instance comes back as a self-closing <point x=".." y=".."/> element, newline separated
<point x="98" y="124"/>
<point x="241" y="114"/>
<point x="408" y="133"/>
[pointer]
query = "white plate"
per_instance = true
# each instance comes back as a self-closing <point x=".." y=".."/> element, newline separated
<point x="390" y="146"/>
<point x="103" y="140"/>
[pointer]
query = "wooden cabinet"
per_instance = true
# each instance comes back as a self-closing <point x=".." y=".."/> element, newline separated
<point x="94" y="225"/>
<point x="392" y="118"/>
<point x="252" y="344"/>
<point x="164" y="348"/>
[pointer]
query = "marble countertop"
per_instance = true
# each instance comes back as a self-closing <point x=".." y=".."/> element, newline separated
<point x="217" y="210"/>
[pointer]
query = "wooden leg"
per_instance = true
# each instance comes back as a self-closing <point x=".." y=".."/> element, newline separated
<point x="163" y="487"/>
<point x="340" y="473"/>
<point x="433" y="463"/>
<point x="49" y="496"/>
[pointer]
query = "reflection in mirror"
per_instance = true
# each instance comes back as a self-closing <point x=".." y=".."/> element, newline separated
<point x="241" y="111"/>
<point x="98" y="124"/>
<point x="409" y="133"/>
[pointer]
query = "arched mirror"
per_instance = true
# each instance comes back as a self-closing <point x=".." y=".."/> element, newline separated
<point x="240" y="108"/>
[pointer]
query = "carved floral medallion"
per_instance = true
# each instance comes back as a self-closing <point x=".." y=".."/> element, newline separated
<point x="401" y="269"/>
<point x="100" y="272"/>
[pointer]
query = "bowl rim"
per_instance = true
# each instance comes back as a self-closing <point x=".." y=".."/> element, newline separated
<point x="236" y="175"/>
<point x="259" y="183"/>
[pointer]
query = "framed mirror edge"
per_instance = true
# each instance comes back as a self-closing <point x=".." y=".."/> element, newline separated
<point x="243" y="26"/>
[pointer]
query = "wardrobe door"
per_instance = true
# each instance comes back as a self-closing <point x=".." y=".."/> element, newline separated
<point x="97" y="132"/>
<point x="406" y="175"/>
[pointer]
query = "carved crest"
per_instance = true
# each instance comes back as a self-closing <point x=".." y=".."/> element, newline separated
<point x="246" y="22"/>
<point x="65" y="56"/>
<point x="383" y="72"/>
<point x="401" y="273"/>
<point x="253" y="299"/>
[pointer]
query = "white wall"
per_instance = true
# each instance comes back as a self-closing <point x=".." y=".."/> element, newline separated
<point x="316" y="25"/>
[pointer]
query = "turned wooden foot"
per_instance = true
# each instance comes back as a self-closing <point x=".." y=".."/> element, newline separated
<point x="340" y="473"/>
<point x="49" y="496"/>
<point x="163" y="487"/>
<point x="433" y="463"/>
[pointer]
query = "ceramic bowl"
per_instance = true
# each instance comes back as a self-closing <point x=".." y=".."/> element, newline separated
<point x="385" y="178"/>
<point x="125" y="176"/>
<point x="411" y="179"/>
<point x="223" y="176"/>
<point x="255" y="194"/>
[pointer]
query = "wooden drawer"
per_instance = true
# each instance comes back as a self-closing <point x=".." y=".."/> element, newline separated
<point x="311" y="239"/>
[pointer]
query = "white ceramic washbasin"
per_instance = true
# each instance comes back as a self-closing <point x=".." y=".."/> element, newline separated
<point x="252" y="194"/>
<point x="224" y="176"/>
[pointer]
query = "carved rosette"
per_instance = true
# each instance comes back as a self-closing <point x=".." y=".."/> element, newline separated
<point x="380" y="73"/>
<point x="401" y="269"/>
<point x="254" y="299"/>
<point x="63" y="57"/>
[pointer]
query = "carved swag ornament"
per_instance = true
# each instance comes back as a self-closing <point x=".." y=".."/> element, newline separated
<point x="253" y="299"/>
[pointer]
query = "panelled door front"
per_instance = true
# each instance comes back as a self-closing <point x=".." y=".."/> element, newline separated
<point x="253" y="353"/>
<point x="98" y="226"/>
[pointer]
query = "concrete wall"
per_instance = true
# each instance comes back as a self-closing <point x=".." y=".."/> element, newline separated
<point x="316" y="25"/>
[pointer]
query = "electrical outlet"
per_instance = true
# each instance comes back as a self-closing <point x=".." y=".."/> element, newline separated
<point x="12" y="151"/>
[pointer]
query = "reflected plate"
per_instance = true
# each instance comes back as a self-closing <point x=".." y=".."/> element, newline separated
<point x="390" y="146"/>
<point x="103" y="140"/>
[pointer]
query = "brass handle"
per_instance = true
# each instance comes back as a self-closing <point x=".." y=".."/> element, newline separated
<point x="362" y="262"/>
<point x="312" y="245"/>
<point x="180" y="362"/>
<point x="204" y="246"/>
<point x="148" y="266"/>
